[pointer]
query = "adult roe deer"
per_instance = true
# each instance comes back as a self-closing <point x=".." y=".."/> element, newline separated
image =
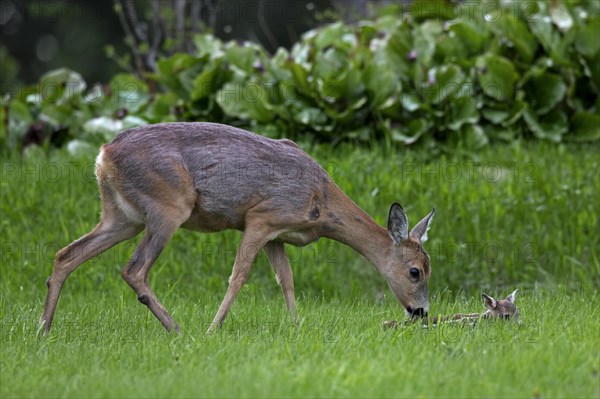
<point x="212" y="177"/>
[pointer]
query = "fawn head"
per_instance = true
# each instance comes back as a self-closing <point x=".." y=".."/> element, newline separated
<point x="407" y="269"/>
<point x="503" y="308"/>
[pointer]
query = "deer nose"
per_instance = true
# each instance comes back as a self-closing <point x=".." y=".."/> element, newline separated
<point x="419" y="312"/>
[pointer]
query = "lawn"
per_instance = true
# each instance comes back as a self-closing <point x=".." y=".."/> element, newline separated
<point x="517" y="216"/>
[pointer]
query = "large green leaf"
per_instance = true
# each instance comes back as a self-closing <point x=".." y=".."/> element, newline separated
<point x="448" y="82"/>
<point x="462" y="111"/>
<point x="470" y="35"/>
<point x="208" y="45"/>
<point x="335" y="35"/>
<point x="247" y="101"/>
<point x="473" y="137"/>
<point x="208" y="81"/>
<point x="585" y="126"/>
<point x="381" y="83"/>
<point x="433" y="9"/>
<point x="410" y="133"/>
<point x="560" y="15"/>
<point x="514" y="33"/>
<point x="175" y="73"/>
<point x="545" y="91"/>
<point x="551" y="127"/>
<point x="497" y="76"/>
<point x="587" y="40"/>
<point x="61" y="86"/>
<point x="425" y="37"/>
<point x="398" y="49"/>
<point x="128" y="92"/>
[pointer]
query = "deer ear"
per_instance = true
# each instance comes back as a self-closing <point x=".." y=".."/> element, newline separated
<point x="420" y="230"/>
<point x="489" y="302"/>
<point x="511" y="297"/>
<point x="397" y="223"/>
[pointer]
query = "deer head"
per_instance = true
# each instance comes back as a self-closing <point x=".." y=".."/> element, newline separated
<point x="408" y="270"/>
<point x="504" y="308"/>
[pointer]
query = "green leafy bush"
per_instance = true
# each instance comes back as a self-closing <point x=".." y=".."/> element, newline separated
<point x="437" y="74"/>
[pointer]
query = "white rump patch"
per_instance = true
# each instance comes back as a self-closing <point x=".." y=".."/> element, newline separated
<point x="99" y="161"/>
<point x="129" y="210"/>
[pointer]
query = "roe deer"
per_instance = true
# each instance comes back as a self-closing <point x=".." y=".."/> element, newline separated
<point x="211" y="177"/>
<point x="502" y="308"/>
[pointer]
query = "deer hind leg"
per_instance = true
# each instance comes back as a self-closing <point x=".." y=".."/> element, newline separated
<point x="279" y="261"/>
<point x="159" y="229"/>
<point x="112" y="229"/>
<point x="253" y="240"/>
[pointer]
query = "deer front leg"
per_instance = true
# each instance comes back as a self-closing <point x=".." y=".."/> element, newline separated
<point x="279" y="261"/>
<point x="252" y="241"/>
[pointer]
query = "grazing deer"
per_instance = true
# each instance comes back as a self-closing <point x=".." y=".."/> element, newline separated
<point x="211" y="177"/>
<point x="503" y="308"/>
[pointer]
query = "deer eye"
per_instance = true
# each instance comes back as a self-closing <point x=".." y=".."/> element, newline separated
<point x="414" y="273"/>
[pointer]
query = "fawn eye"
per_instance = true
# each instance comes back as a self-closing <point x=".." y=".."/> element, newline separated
<point x="414" y="273"/>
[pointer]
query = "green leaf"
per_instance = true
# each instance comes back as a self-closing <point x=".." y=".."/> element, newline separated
<point x="19" y="119"/>
<point x="517" y="109"/>
<point x="208" y="45"/>
<point x="334" y="35"/>
<point x="247" y="101"/>
<point x="494" y="132"/>
<point x="542" y="28"/>
<point x="546" y="91"/>
<point x="411" y="133"/>
<point x="495" y="115"/>
<point x="462" y="111"/>
<point x="61" y="86"/>
<point x="299" y="76"/>
<point x="207" y="82"/>
<point x="128" y="92"/>
<point x="515" y="34"/>
<point x="242" y="58"/>
<point x="101" y="130"/>
<point x="433" y="9"/>
<point x="176" y="73"/>
<point x="310" y="116"/>
<point x="381" y="83"/>
<point x="425" y="39"/>
<point x="471" y="36"/>
<point x="497" y="77"/>
<point x="448" y="81"/>
<point x="398" y="47"/>
<point x="551" y="127"/>
<point x="587" y="41"/>
<point x="473" y="137"/>
<point x="410" y="101"/>
<point x="328" y="64"/>
<point x="560" y="15"/>
<point x="81" y="149"/>
<point x="585" y="126"/>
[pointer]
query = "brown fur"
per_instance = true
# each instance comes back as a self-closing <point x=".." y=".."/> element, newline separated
<point x="211" y="177"/>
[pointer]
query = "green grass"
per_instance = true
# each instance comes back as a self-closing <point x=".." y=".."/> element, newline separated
<point x="521" y="216"/>
<point x="109" y="345"/>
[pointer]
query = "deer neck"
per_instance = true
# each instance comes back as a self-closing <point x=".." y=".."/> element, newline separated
<point x="347" y="223"/>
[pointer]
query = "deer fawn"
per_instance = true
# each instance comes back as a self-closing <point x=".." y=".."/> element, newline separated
<point x="211" y="177"/>
<point x="502" y="308"/>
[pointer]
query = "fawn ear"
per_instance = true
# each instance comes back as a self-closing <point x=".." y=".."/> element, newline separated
<point x="397" y="223"/>
<point x="511" y="297"/>
<point x="489" y="302"/>
<point x="420" y="230"/>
